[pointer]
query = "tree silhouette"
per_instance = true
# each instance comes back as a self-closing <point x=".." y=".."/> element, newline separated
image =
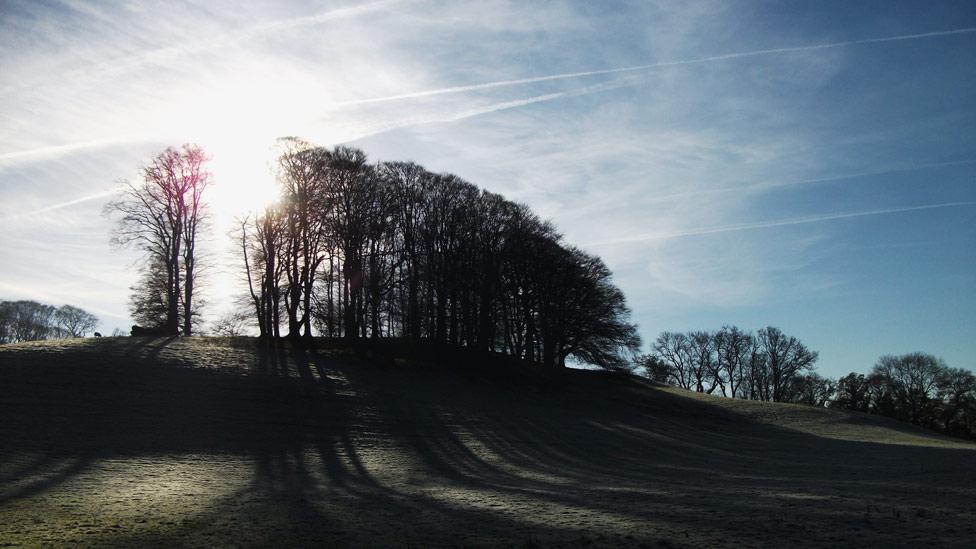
<point x="733" y="348"/>
<point x="359" y="250"/>
<point x="74" y="322"/>
<point x="162" y="216"/>
<point x="757" y="367"/>
<point x="785" y="357"/>
<point x="917" y="388"/>
<point x="32" y="321"/>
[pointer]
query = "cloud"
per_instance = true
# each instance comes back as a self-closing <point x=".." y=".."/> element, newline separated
<point x="777" y="223"/>
<point x="58" y="150"/>
<point x="648" y="66"/>
<point x="122" y="64"/>
<point x="469" y="112"/>
<point x="285" y="24"/>
<point x="60" y="205"/>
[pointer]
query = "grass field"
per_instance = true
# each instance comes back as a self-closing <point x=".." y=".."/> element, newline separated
<point x="202" y="442"/>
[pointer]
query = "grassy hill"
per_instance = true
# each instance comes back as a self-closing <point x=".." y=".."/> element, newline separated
<point x="163" y="442"/>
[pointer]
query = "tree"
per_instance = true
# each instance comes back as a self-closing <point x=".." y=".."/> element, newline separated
<point x="785" y="357"/>
<point x="811" y="389"/>
<point x="32" y="321"/>
<point x="231" y="324"/>
<point x="957" y="391"/>
<point x="733" y="347"/>
<point x="592" y="322"/>
<point x="910" y="386"/>
<point x="654" y="368"/>
<point x="263" y="245"/>
<point x="853" y="393"/>
<point x="674" y="349"/>
<point x="358" y="250"/>
<point x="75" y="322"/>
<point x="305" y="210"/>
<point x="162" y="216"/>
<point x="151" y="295"/>
<point x="704" y="365"/>
<point x="27" y="321"/>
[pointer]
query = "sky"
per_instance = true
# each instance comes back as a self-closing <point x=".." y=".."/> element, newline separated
<point x="805" y="165"/>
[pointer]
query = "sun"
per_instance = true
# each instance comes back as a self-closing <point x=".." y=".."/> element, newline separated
<point x="237" y="123"/>
<point x="243" y="177"/>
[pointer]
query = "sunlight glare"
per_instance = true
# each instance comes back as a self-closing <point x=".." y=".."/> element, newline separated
<point x="237" y="123"/>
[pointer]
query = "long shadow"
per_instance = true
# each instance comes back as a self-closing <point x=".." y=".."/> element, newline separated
<point x="337" y="441"/>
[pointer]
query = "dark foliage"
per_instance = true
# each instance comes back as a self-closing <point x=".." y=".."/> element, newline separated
<point x="357" y="250"/>
<point x="768" y="366"/>
<point x="33" y="321"/>
<point x="917" y="388"/>
<point x="162" y="216"/>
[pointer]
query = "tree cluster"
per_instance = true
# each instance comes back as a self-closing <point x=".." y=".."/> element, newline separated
<point x="917" y="388"/>
<point x="33" y="321"/>
<point x="767" y="365"/>
<point x="361" y="250"/>
<point x="162" y="215"/>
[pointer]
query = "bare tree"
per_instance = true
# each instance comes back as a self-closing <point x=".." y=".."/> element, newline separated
<point x="852" y="393"/>
<point x="785" y="357"/>
<point x="674" y="349"/>
<point x="704" y="362"/>
<point x="32" y="321"/>
<point x="957" y="391"/>
<point x="231" y="324"/>
<point x="911" y="381"/>
<point x="391" y="249"/>
<point x="654" y="368"/>
<point x="162" y="216"/>
<point x="733" y="348"/>
<point x="812" y="389"/>
<point x="75" y="322"/>
<point x="262" y="243"/>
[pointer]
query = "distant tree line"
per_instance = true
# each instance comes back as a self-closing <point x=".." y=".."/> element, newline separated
<point x="162" y="216"/>
<point x="768" y="365"/>
<point x="771" y="366"/>
<point x="33" y="321"/>
<point x="359" y="250"/>
<point x="917" y="388"/>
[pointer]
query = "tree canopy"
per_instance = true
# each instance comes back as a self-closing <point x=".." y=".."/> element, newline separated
<point x="32" y="321"/>
<point x="360" y="250"/>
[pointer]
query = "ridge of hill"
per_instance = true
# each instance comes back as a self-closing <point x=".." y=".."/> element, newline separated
<point x="196" y="441"/>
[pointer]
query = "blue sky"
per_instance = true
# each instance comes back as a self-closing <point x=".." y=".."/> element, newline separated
<point x="808" y="165"/>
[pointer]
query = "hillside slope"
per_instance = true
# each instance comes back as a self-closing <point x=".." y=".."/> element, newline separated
<point x="162" y="442"/>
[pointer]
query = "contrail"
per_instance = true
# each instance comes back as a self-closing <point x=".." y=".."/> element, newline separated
<point x="660" y="64"/>
<point x="160" y="55"/>
<point x="830" y="179"/>
<point x="60" y="149"/>
<point x="494" y="107"/>
<point x="163" y="54"/>
<point x="487" y="109"/>
<point x="777" y="223"/>
<point x="487" y="85"/>
<point x="60" y="205"/>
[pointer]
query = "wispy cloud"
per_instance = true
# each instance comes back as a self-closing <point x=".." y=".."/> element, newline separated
<point x="285" y="24"/>
<point x="648" y="66"/>
<point x="470" y="112"/>
<point x="118" y="65"/>
<point x="767" y="186"/>
<point x="38" y="153"/>
<point x="232" y="37"/>
<point x="802" y="220"/>
<point x="61" y="205"/>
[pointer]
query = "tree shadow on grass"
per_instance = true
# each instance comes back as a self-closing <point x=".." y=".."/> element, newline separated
<point x="357" y="452"/>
